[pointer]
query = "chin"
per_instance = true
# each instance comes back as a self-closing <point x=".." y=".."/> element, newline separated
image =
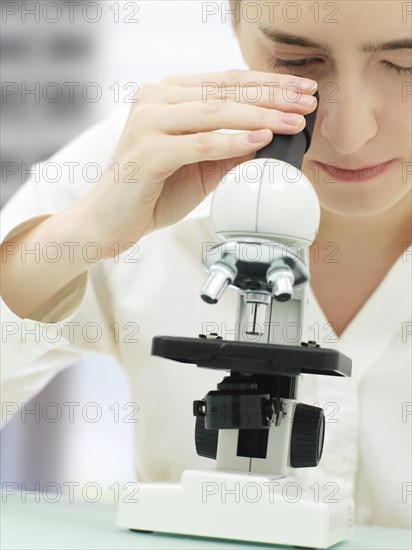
<point x="351" y="208"/>
<point x="358" y="204"/>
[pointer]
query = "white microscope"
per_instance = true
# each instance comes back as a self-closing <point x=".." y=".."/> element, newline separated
<point x="266" y="214"/>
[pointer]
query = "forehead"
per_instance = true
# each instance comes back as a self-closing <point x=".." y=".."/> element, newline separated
<point x="346" y="22"/>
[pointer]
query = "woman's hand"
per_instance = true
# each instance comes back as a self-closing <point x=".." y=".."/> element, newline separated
<point x="170" y="157"/>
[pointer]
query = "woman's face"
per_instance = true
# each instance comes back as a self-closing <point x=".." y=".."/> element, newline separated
<point x="364" y="115"/>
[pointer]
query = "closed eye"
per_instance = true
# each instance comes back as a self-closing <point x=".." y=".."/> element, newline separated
<point x="297" y="63"/>
<point x="276" y="62"/>
<point x="399" y="70"/>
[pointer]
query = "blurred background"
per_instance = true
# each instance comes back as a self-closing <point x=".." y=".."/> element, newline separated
<point x="64" y="66"/>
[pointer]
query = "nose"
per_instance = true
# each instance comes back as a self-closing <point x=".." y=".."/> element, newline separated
<point x="347" y="114"/>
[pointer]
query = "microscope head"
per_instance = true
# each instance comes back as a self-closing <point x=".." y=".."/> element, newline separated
<point x="269" y="198"/>
<point x="266" y="199"/>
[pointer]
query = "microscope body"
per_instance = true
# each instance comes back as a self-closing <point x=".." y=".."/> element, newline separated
<point x="266" y="214"/>
<point x="264" y="255"/>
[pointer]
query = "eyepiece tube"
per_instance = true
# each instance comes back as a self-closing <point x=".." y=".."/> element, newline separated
<point x="291" y="148"/>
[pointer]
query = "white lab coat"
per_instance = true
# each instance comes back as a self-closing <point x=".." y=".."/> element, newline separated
<point x="367" y="451"/>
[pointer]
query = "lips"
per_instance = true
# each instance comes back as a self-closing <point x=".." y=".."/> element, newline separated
<point x="353" y="174"/>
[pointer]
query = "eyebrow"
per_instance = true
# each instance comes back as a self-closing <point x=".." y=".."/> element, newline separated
<point x="276" y="35"/>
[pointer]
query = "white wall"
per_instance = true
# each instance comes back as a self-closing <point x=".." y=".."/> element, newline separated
<point x="172" y="37"/>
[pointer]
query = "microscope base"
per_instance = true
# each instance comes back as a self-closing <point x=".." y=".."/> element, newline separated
<point x="231" y="505"/>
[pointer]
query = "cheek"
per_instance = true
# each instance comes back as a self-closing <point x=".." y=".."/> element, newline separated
<point x="396" y="126"/>
<point x="404" y="117"/>
<point x="398" y="96"/>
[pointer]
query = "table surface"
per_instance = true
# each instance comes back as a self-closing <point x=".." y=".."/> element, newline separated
<point x="81" y="525"/>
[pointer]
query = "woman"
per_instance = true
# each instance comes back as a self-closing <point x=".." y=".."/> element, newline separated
<point x="161" y="165"/>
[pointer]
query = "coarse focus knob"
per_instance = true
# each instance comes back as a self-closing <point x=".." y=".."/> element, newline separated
<point x="205" y="440"/>
<point x="308" y="434"/>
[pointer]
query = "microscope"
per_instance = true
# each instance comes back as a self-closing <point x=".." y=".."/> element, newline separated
<point x="266" y="214"/>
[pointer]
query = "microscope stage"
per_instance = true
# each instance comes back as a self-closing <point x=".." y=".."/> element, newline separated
<point x="246" y="357"/>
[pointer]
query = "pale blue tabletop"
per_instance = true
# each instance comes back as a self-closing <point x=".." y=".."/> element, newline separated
<point x="81" y="525"/>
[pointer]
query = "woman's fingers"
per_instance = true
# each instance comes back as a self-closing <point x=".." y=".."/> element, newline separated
<point x="198" y="116"/>
<point x="240" y="77"/>
<point x="266" y="89"/>
<point x="191" y="148"/>
<point x="264" y="96"/>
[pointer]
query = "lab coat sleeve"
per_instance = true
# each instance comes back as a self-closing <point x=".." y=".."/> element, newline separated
<point x="76" y="320"/>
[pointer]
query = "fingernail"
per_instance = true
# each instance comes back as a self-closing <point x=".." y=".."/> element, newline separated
<point x="258" y="135"/>
<point x="291" y="118"/>
<point x="306" y="100"/>
<point x="308" y="84"/>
